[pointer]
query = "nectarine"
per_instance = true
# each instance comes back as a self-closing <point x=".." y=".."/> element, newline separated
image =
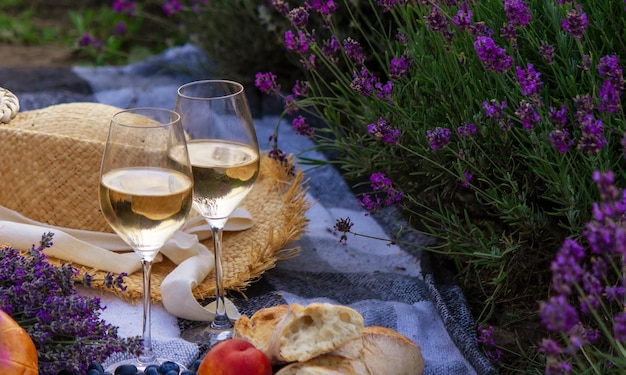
<point x="235" y="357"/>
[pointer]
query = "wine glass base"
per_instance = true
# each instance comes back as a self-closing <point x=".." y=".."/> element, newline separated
<point x="204" y="334"/>
<point x="141" y="366"/>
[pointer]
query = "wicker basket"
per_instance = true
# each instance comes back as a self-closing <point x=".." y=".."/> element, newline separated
<point x="50" y="169"/>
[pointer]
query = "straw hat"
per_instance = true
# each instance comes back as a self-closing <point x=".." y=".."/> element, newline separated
<point x="50" y="170"/>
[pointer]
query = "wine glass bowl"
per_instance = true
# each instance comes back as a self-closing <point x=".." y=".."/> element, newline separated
<point x="225" y="160"/>
<point x="146" y="191"/>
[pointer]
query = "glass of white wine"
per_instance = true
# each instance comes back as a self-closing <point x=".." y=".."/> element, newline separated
<point x="146" y="190"/>
<point x="224" y="154"/>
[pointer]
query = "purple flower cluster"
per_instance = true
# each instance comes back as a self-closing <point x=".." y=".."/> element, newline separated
<point x="64" y="326"/>
<point x="517" y="12"/>
<point x="400" y="66"/>
<point x="527" y="113"/>
<point x="438" y="138"/>
<point x="302" y="127"/>
<point x="384" y="194"/>
<point x="593" y="279"/>
<point x="491" y="55"/>
<point x="266" y="83"/>
<point x="383" y="131"/>
<point x="487" y="341"/>
<point x="344" y="226"/>
<point x="575" y="22"/>
<point x="529" y="80"/>
<point x="613" y="86"/>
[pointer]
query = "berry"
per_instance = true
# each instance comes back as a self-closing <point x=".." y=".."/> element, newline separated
<point x="126" y="370"/>
<point x="168" y="366"/>
<point x="96" y="366"/>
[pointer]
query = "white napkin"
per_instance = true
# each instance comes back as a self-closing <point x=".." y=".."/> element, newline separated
<point x="108" y="252"/>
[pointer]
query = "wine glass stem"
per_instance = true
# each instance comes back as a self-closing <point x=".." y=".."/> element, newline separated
<point x="221" y="320"/>
<point x="147" y="355"/>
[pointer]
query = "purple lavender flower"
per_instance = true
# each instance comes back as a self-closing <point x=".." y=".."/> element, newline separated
<point x="385" y="92"/>
<point x="290" y="104"/>
<point x="300" y="43"/>
<point x="550" y="348"/>
<point x="385" y="194"/>
<point x="125" y="7"/>
<point x="299" y="17"/>
<point x="467" y="179"/>
<point x="557" y="314"/>
<point x="517" y="12"/>
<point x="610" y="68"/>
<point x="609" y="97"/>
<point x="575" y="22"/>
<point x="466" y="130"/>
<point x="300" y="89"/>
<point x="344" y="226"/>
<point x="171" y="7"/>
<point x="326" y="8"/>
<point x="281" y="6"/>
<point x="463" y="18"/>
<point x="302" y="127"/>
<point x="485" y="338"/>
<point x="331" y="47"/>
<point x="493" y="57"/>
<point x="438" y="138"/>
<point x="354" y="51"/>
<point x="363" y="82"/>
<point x="400" y="66"/>
<point x="566" y="269"/>
<point x="386" y="5"/>
<point x="402" y="38"/>
<point x="527" y="114"/>
<point x="584" y="107"/>
<point x="266" y="83"/>
<point x="547" y="52"/>
<point x="436" y="20"/>
<point x="619" y="326"/>
<point x="383" y="131"/>
<point x="119" y="29"/>
<point x="494" y="110"/>
<point x="558" y="116"/>
<point x="561" y="140"/>
<point x="529" y="80"/>
<point x="592" y="140"/>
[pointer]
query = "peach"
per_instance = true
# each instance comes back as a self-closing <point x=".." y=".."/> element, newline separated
<point x="235" y="357"/>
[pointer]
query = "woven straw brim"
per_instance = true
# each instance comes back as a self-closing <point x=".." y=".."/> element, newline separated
<point x="58" y="186"/>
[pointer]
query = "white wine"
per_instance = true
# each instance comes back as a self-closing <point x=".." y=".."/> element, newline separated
<point x="223" y="173"/>
<point x="145" y="206"/>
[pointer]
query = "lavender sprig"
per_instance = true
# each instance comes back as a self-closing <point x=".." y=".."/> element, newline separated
<point x="65" y="326"/>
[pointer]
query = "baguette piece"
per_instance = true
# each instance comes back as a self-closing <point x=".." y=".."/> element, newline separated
<point x="384" y="351"/>
<point x="295" y="333"/>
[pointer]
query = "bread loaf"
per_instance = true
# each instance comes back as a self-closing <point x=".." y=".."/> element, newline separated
<point x="294" y="333"/>
<point x="383" y="351"/>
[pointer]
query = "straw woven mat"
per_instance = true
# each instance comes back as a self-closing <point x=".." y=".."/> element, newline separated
<point x="50" y="170"/>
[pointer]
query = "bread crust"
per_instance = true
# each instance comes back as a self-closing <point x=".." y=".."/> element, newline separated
<point x="326" y="339"/>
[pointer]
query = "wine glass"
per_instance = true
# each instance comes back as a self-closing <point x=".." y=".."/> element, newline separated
<point x="146" y="189"/>
<point x="224" y="155"/>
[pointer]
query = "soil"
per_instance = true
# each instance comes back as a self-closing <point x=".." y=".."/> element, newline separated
<point x="16" y="56"/>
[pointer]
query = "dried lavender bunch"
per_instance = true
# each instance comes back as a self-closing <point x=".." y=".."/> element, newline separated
<point x="65" y="326"/>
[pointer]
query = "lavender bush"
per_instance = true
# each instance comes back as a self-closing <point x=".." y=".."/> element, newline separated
<point x="65" y="327"/>
<point x="483" y="121"/>
<point x="586" y="312"/>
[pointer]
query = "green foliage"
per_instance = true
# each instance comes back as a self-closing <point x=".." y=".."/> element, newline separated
<point x="502" y="226"/>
